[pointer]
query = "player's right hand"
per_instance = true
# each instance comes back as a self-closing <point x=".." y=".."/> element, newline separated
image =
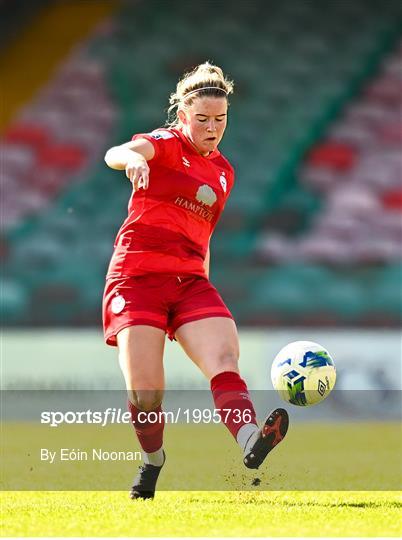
<point x="137" y="171"/>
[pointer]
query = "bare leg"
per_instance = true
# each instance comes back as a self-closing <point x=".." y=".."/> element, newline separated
<point x="141" y="360"/>
<point x="212" y="344"/>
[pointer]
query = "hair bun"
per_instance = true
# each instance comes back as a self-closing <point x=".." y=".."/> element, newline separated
<point x="205" y="77"/>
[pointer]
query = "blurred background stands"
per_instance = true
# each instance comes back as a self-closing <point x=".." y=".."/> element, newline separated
<point x="312" y="232"/>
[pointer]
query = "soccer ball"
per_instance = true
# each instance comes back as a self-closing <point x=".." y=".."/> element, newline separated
<point x="303" y="373"/>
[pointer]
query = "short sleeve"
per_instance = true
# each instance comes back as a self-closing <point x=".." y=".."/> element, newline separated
<point x="231" y="181"/>
<point x="228" y="180"/>
<point x="166" y="145"/>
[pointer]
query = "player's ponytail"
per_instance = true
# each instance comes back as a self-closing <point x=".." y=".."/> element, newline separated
<point x="206" y="80"/>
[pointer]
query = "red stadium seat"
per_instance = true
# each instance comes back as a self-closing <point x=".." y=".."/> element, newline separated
<point x="27" y="134"/>
<point x="63" y="156"/>
<point x="392" y="200"/>
<point x="336" y="156"/>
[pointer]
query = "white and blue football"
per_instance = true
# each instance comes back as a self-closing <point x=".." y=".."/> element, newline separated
<point x="303" y="373"/>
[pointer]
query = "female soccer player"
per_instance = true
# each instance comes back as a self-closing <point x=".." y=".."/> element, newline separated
<point x="158" y="283"/>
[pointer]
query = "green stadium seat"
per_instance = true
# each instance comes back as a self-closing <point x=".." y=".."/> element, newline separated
<point x="346" y="298"/>
<point x="14" y="302"/>
<point x="386" y="294"/>
<point x="282" y="297"/>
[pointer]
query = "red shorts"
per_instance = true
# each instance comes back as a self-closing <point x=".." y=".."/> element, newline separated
<point x="159" y="300"/>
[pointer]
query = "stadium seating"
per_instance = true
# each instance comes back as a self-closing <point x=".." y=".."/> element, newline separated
<point x="312" y="133"/>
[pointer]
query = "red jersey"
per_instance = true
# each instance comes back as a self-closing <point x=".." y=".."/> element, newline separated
<point x="170" y="223"/>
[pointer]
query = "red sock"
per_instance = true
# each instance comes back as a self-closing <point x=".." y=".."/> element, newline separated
<point x="149" y="432"/>
<point x="230" y="392"/>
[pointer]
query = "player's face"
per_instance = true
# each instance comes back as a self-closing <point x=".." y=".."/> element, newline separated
<point x="204" y="122"/>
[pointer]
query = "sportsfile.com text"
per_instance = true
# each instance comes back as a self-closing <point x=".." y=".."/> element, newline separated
<point x="114" y="415"/>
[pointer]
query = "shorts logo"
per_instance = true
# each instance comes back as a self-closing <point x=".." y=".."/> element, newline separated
<point x="223" y="181"/>
<point x="206" y="195"/>
<point x="118" y="304"/>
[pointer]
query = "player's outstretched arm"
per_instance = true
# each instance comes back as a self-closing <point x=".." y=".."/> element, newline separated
<point x="132" y="157"/>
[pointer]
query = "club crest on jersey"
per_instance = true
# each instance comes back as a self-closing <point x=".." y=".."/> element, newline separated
<point x="206" y="195"/>
<point x="223" y="181"/>
<point x="161" y="134"/>
<point x="118" y="304"/>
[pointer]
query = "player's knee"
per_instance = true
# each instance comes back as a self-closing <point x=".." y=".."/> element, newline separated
<point x="147" y="400"/>
<point x="228" y="360"/>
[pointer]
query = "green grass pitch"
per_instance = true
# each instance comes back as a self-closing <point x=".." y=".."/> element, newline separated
<point x="286" y="503"/>
<point x="301" y="513"/>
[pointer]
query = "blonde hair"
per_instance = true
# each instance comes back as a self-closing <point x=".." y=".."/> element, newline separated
<point x="206" y="80"/>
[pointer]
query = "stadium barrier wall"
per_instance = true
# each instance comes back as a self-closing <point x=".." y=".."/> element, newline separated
<point x="79" y="359"/>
